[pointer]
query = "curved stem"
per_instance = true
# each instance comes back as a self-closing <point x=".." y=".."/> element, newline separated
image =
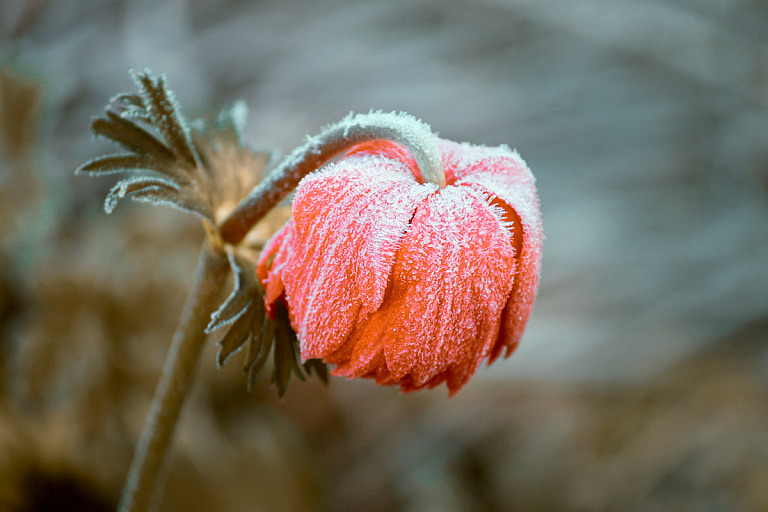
<point x="178" y="375"/>
<point x="415" y="135"/>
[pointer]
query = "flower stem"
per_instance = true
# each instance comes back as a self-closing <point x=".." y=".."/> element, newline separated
<point x="177" y="378"/>
<point x="415" y="135"/>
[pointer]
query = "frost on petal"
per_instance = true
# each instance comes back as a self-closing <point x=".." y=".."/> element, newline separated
<point x="272" y="262"/>
<point x="517" y="199"/>
<point x="350" y="220"/>
<point x="462" y="159"/>
<point x="500" y="176"/>
<point x="391" y="150"/>
<point x="441" y="314"/>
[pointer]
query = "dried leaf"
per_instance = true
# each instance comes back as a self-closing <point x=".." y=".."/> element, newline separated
<point x="211" y="168"/>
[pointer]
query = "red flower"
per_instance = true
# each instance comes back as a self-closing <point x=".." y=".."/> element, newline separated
<point x="397" y="280"/>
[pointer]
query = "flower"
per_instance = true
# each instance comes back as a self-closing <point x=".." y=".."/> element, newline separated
<point x="390" y="278"/>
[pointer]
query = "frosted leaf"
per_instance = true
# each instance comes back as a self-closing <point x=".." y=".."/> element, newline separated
<point x="128" y="100"/>
<point x="133" y="185"/>
<point x="234" y="118"/>
<point x="164" y="111"/>
<point x="246" y="290"/>
<point x="130" y="106"/>
<point x="236" y="336"/>
<point x="131" y="136"/>
<point x="176" y="199"/>
<point x="244" y="315"/>
<point x="113" y="164"/>
<point x="210" y="169"/>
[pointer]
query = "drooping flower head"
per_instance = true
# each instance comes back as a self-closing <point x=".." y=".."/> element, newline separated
<point x="391" y="278"/>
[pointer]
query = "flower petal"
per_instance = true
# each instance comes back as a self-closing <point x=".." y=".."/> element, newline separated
<point x="272" y="263"/>
<point x="509" y="184"/>
<point x="441" y="314"/>
<point x="350" y="220"/>
<point x="462" y="159"/>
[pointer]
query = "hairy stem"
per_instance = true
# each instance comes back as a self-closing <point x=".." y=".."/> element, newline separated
<point x="415" y="135"/>
<point x="178" y="375"/>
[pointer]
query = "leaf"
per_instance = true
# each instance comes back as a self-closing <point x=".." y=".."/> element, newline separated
<point x="236" y="336"/>
<point x="160" y="195"/>
<point x="128" y="100"/>
<point x="232" y="120"/>
<point x="164" y="112"/>
<point x="258" y="353"/>
<point x="111" y="164"/>
<point x="133" y="185"/>
<point x="247" y="291"/>
<point x="135" y="114"/>
<point x="131" y="136"/>
<point x="286" y="351"/>
<point x="318" y="367"/>
<point x="205" y="149"/>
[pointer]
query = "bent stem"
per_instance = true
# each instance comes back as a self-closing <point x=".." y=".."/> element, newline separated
<point x="176" y="381"/>
<point x="415" y="135"/>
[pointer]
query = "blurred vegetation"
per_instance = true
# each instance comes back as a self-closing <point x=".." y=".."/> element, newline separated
<point x="641" y="383"/>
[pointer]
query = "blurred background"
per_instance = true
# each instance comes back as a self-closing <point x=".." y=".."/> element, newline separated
<point x="642" y="380"/>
